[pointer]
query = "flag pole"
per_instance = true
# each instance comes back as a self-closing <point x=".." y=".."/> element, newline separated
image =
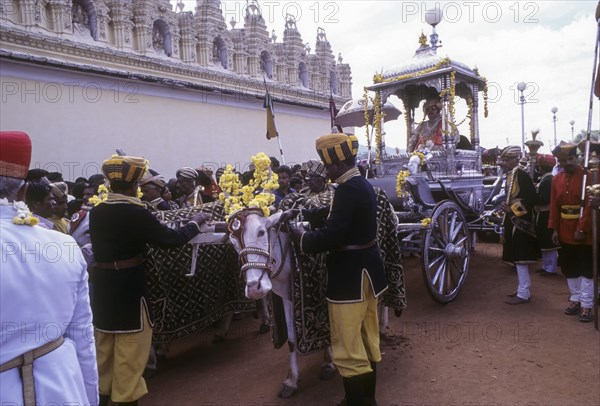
<point x="586" y="157"/>
<point x="270" y="110"/>
<point x="586" y="166"/>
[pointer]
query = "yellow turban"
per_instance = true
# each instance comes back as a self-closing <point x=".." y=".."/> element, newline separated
<point x="336" y="147"/>
<point x="127" y="169"/>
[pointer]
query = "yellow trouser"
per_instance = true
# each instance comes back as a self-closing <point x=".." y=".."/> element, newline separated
<point x="355" y="334"/>
<point x="121" y="359"/>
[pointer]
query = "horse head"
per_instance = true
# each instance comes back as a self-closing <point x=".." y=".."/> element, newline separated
<point x="249" y="234"/>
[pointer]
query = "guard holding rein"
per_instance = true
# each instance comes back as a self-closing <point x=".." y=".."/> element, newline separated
<point x="355" y="272"/>
<point x="120" y="228"/>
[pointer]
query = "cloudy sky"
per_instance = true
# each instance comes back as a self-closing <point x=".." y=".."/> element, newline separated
<point x="547" y="44"/>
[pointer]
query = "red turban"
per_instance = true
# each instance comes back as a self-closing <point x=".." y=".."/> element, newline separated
<point x="15" y="154"/>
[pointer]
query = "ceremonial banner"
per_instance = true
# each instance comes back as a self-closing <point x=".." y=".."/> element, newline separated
<point x="271" y="127"/>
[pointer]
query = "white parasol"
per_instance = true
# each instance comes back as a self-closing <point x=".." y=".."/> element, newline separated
<point x="352" y="113"/>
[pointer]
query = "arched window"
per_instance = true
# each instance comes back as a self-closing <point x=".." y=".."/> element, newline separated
<point x="266" y="64"/>
<point x="85" y="18"/>
<point x="334" y="83"/>
<point x="303" y="74"/>
<point x="161" y="37"/>
<point x="220" y="52"/>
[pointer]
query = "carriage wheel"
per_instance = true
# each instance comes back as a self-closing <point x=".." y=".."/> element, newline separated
<point x="446" y="251"/>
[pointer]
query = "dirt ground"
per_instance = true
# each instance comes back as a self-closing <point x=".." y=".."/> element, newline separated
<point x="474" y="351"/>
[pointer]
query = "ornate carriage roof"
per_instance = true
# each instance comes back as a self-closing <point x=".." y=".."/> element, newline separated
<point x="424" y="60"/>
<point x="424" y="71"/>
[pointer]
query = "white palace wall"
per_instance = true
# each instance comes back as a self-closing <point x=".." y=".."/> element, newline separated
<point x="85" y="77"/>
<point x="77" y="120"/>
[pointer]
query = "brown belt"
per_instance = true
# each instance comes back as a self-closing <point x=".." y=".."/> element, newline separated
<point x="25" y="364"/>
<point x="121" y="264"/>
<point x="354" y="247"/>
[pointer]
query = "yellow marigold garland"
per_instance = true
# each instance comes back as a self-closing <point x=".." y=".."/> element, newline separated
<point x="23" y="216"/>
<point x="378" y="78"/>
<point x="451" y="93"/>
<point x="236" y="197"/>
<point x="485" y="92"/>
<point x="366" y="115"/>
<point x="378" y="118"/>
<point x="401" y="182"/>
<point x="103" y="195"/>
<point x="421" y="157"/>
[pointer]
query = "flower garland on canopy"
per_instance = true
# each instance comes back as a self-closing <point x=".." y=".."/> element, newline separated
<point x="24" y="216"/>
<point x="257" y="193"/>
<point x="378" y="78"/>
<point x="485" y="92"/>
<point x="450" y="92"/>
<point x="366" y="115"/>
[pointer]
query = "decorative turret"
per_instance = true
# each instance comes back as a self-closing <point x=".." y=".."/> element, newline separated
<point x="327" y="79"/>
<point x="212" y="38"/>
<point x="188" y="36"/>
<point x="257" y="41"/>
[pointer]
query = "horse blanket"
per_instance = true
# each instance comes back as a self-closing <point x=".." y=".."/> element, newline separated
<point x="311" y="320"/>
<point x="183" y="305"/>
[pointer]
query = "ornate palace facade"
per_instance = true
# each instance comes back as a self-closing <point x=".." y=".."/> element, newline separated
<point x="141" y="66"/>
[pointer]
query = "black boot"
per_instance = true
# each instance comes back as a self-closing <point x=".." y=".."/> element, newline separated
<point x="354" y="390"/>
<point x="370" y="382"/>
<point x="104" y="400"/>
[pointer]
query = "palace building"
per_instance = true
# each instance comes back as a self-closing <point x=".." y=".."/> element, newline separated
<point x="86" y="77"/>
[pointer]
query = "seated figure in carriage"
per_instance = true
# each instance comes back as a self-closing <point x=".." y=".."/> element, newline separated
<point x="428" y="134"/>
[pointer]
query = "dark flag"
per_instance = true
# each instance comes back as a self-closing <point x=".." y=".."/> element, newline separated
<point x="271" y="127"/>
<point x="332" y="110"/>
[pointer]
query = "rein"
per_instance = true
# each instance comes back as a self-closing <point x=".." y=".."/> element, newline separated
<point x="235" y="226"/>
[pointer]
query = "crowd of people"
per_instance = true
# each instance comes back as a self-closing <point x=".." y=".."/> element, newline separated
<point x="548" y="221"/>
<point x="104" y="244"/>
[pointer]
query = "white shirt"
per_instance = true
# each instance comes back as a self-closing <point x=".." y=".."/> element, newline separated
<point x="43" y="295"/>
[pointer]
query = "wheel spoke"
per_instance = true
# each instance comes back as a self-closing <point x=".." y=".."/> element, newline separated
<point x="445" y="233"/>
<point x="435" y="261"/>
<point x="437" y="239"/>
<point x="461" y="240"/>
<point x="439" y="272"/>
<point x="456" y="230"/>
<point x="443" y="278"/>
<point x="451" y="232"/>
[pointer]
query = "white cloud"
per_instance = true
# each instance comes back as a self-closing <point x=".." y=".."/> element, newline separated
<point x="549" y="44"/>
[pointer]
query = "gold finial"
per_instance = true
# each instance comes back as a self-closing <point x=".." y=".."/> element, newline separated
<point x="534" y="134"/>
<point x="423" y="40"/>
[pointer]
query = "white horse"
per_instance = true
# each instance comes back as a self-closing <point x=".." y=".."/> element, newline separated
<point x="267" y="262"/>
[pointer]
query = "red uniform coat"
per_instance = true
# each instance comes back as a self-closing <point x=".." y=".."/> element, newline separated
<point x="566" y="190"/>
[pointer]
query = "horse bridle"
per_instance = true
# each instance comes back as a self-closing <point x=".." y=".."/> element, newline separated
<point x="235" y="226"/>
